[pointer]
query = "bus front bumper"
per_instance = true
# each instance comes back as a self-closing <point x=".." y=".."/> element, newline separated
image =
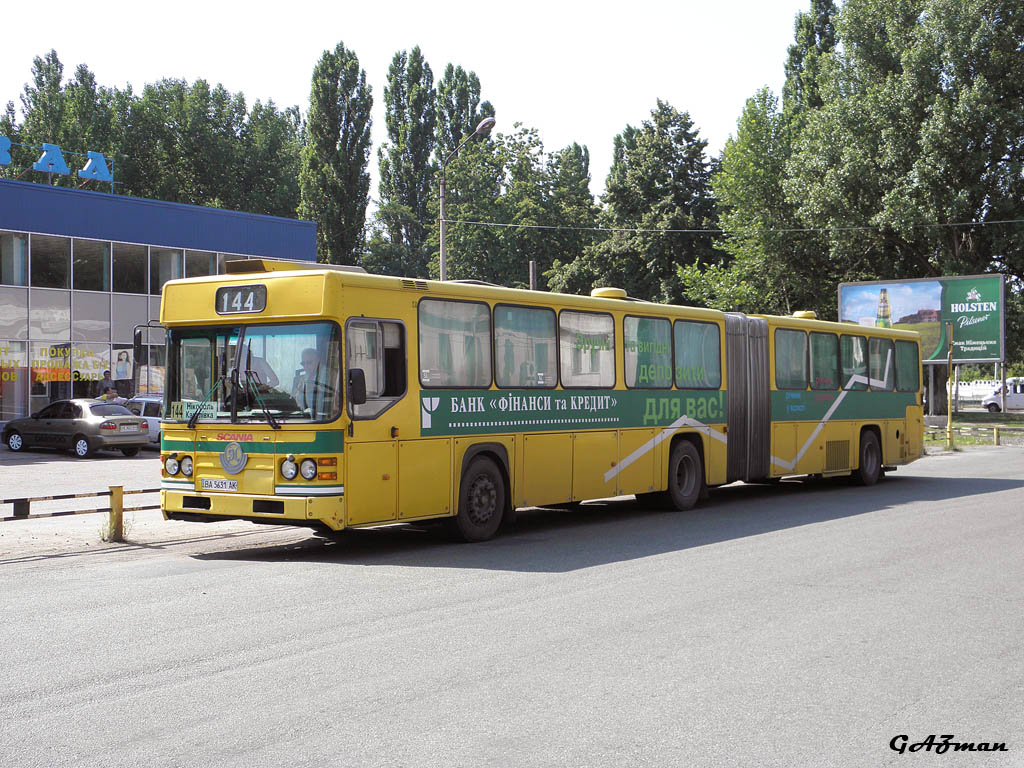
<point x="211" y="507"/>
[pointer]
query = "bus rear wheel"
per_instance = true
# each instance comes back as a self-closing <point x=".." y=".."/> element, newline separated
<point x="481" y="501"/>
<point x="685" y="475"/>
<point x="870" y="469"/>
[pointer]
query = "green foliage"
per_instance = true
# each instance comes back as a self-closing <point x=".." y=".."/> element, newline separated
<point x="659" y="180"/>
<point x="771" y="267"/>
<point x="406" y="169"/>
<point x="815" y="38"/>
<point x="177" y="141"/>
<point x="272" y="150"/>
<point x="509" y="180"/>
<point x="334" y="182"/>
<point x="459" y="109"/>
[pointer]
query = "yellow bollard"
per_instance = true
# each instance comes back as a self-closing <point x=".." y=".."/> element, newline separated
<point x="116" y="530"/>
<point x="995" y="435"/>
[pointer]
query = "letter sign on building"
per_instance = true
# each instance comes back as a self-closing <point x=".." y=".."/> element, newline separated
<point x="96" y="169"/>
<point x="52" y="161"/>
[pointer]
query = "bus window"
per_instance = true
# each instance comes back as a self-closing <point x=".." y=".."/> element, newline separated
<point x="455" y="343"/>
<point x="882" y="364"/>
<point x="524" y="347"/>
<point x="587" y="349"/>
<point x="824" y="361"/>
<point x="648" y="352"/>
<point x="854" y="354"/>
<point x="698" y="355"/>
<point x="378" y="348"/>
<point x="790" y="359"/>
<point x="908" y="370"/>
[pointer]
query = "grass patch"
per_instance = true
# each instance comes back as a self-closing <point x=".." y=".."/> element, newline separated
<point x="938" y="439"/>
<point x="989" y="419"/>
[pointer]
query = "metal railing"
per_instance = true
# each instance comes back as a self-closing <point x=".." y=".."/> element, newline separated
<point x="115" y="529"/>
<point x="939" y="433"/>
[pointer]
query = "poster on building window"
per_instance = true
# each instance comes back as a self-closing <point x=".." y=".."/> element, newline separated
<point x="122" y="365"/>
<point x="971" y="307"/>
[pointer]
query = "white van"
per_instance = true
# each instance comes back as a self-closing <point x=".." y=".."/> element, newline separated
<point x="1014" y="396"/>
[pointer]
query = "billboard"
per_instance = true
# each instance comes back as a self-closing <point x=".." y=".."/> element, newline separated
<point x="973" y="304"/>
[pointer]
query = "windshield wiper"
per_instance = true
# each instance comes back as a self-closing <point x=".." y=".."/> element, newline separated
<point x="251" y="381"/>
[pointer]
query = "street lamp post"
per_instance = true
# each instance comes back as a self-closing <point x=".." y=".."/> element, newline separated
<point x="482" y="129"/>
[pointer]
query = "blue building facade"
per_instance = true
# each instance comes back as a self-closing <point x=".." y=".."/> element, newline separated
<point x="80" y="269"/>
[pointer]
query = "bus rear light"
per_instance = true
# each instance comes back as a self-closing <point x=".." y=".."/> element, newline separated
<point x="327" y="476"/>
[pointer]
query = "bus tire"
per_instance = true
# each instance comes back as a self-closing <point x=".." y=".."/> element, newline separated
<point x="869" y="469"/>
<point x="992" y="408"/>
<point x="685" y="475"/>
<point x="481" y="501"/>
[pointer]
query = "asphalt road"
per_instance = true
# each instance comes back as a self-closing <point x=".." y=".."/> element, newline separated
<point x="805" y="624"/>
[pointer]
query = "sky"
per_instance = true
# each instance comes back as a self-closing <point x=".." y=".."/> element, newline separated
<point x="574" y="71"/>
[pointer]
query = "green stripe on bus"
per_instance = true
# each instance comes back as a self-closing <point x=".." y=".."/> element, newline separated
<point x="476" y="412"/>
<point x="859" y="404"/>
<point x="324" y="442"/>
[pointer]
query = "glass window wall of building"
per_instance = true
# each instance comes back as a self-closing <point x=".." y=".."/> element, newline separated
<point x="13" y="258"/>
<point x="68" y="311"/>
<point x="91" y="265"/>
<point x="50" y="259"/>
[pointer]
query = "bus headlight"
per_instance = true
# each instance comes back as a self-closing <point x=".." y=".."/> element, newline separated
<point x="186" y="466"/>
<point x="289" y="469"/>
<point x="308" y="469"/>
<point x="171" y="465"/>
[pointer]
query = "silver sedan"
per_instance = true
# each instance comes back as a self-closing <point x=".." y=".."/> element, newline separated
<point x="85" y="426"/>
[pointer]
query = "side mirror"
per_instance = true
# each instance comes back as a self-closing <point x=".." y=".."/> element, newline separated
<point x="356" y="386"/>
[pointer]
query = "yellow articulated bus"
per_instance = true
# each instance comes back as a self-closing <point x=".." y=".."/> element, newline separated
<point x="337" y="399"/>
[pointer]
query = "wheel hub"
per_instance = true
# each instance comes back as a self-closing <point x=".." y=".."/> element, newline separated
<point x="482" y="500"/>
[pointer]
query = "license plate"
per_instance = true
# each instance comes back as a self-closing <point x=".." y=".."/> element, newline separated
<point x="129" y="427"/>
<point x="217" y="484"/>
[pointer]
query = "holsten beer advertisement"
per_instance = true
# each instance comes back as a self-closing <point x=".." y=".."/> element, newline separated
<point x="973" y="305"/>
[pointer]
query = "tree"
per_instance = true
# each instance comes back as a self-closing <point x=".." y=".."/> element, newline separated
<point x="459" y="109"/>
<point x="920" y="140"/>
<point x="476" y="180"/>
<point x="43" y="105"/>
<point x="815" y="38"/>
<point x="406" y="167"/>
<point x="334" y="182"/>
<point x="570" y="207"/>
<point x="772" y="265"/>
<point x="659" y="181"/>
<point x="181" y="142"/>
<point x="272" y="159"/>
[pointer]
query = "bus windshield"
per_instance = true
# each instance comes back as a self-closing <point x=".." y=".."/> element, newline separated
<point x="271" y="373"/>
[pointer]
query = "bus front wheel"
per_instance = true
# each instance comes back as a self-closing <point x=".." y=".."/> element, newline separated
<point x="870" y="469"/>
<point x="685" y="475"/>
<point x="481" y="501"/>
